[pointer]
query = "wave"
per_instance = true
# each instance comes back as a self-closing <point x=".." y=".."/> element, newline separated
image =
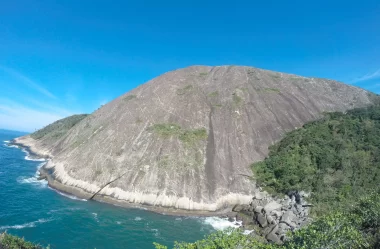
<point x="155" y="232"/>
<point x="28" y="157"/>
<point x="26" y="225"/>
<point x="62" y="210"/>
<point x="11" y="145"/>
<point x="32" y="180"/>
<point x="138" y="218"/>
<point x="221" y="223"/>
<point x="6" y="141"/>
<point x="67" y="195"/>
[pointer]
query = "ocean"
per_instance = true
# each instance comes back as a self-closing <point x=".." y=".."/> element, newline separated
<point x="30" y="209"/>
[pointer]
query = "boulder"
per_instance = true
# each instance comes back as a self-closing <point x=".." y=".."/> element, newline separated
<point x="270" y="219"/>
<point x="271" y="206"/>
<point x="272" y="237"/>
<point x="288" y="218"/>
<point x="262" y="220"/>
<point x="258" y="196"/>
<point x="240" y="207"/>
<point x="276" y="214"/>
<point x="258" y="209"/>
<point x="283" y="228"/>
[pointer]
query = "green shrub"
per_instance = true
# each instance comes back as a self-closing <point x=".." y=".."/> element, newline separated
<point x="185" y="90"/>
<point x="129" y="97"/>
<point x="214" y="94"/>
<point x="187" y="136"/>
<point x="12" y="242"/>
<point x="269" y="90"/>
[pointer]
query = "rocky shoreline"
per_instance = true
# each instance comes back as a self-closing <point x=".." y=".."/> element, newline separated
<point x="270" y="218"/>
<point x="48" y="174"/>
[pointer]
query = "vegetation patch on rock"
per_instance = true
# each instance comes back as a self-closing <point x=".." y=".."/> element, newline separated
<point x="58" y="128"/>
<point x="187" y="136"/>
<point x="185" y="90"/>
<point x="129" y="97"/>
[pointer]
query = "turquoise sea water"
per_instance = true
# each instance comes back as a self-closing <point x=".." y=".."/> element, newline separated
<point x="29" y="208"/>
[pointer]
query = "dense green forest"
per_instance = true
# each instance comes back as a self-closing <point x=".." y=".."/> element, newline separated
<point x="336" y="159"/>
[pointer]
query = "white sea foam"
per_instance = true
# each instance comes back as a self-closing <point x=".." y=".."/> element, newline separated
<point x="63" y="209"/>
<point x="26" y="225"/>
<point x="32" y="180"/>
<point x="118" y="222"/>
<point x="11" y="145"/>
<point x="221" y="223"/>
<point x="67" y="195"/>
<point x="138" y="218"/>
<point x="95" y="217"/>
<point x="155" y="231"/>
<point x="6" y="141"/>
<point x="32" y="158"/>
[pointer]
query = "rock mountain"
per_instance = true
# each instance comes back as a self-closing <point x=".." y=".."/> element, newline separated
<point x="187" y="139"/>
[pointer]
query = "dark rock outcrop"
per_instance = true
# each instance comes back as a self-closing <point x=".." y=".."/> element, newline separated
<point x="278" y="216"/>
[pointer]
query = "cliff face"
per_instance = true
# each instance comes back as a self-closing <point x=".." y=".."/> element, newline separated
<point x="186" y="139"/>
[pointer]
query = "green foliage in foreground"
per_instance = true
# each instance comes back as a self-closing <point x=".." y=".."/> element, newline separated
<point x="356" y="228"/>
<point x="12" y="242"/>
<point x="337" y="159"/>
<point x="58" y="128"/>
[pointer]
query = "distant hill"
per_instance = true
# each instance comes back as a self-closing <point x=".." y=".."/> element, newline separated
<point x="187" y="139"/>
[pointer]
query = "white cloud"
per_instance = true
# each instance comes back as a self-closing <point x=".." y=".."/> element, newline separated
<point x="26" y="80"/>
<point x="14" y="116"/>
<point x="369" y="76"/>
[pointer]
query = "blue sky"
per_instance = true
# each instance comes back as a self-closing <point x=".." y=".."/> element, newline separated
<point x="63" y="57"/>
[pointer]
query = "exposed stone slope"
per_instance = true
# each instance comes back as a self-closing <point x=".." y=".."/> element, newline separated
<point x="186" y="139"/>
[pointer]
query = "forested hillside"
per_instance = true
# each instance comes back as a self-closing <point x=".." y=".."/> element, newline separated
<point x="337" y="159"/>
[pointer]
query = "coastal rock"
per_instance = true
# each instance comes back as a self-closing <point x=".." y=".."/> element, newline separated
<point x="288" y="218"/>
<point x="239" y="208"/>
<point x="261" y="219"/>
<point x="272" y="206"/>
<point x="259" y="209"/>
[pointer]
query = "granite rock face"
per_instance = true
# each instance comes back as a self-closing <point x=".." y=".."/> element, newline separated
<point x="186" y="139"/>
